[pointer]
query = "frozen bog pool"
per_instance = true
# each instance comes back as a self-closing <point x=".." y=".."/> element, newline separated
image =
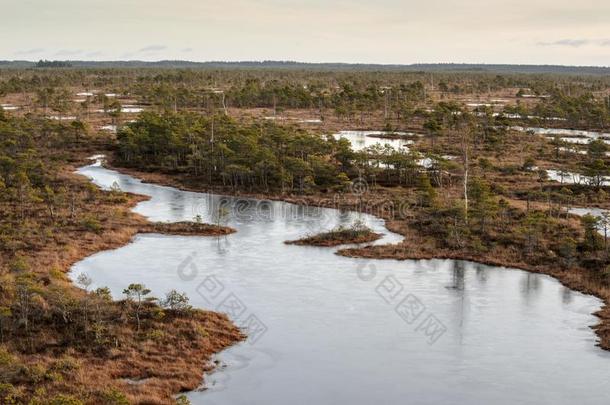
<point x="566" y="177"/>
<point x="131" y="109"/>
<point x="574" y="133"/>
<point x="109" y="128"/>
<point x="364" y="139"/>
<point x="61" y="117"/>
<point x="325" y="329"/>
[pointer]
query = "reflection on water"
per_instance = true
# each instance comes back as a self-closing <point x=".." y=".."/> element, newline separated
<point x="481" y="273"/>
<point x="335" y="330"/>
<point x="566" y="295"/>
<point x="530" y="287"/>
<point x="458" y="276"/>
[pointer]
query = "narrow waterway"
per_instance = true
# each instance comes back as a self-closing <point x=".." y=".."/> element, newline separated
<point x="325" y="329"/>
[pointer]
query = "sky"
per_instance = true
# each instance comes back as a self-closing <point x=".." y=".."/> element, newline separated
<point x="566" y="32"/>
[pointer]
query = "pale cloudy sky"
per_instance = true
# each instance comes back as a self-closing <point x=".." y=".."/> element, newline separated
<point x="571" y="32"/>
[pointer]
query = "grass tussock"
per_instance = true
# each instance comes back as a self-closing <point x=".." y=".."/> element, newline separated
<point x="355" y="234"/>
<point x="187" y="229"/>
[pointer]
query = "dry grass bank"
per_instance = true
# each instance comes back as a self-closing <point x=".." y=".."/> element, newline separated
<point x="106" y="360"/>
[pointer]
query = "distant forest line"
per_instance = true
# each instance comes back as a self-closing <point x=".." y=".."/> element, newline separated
<point x="419" y="67"/>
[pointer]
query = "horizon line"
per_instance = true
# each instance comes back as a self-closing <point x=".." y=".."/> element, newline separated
<point x="296" y="62"/>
